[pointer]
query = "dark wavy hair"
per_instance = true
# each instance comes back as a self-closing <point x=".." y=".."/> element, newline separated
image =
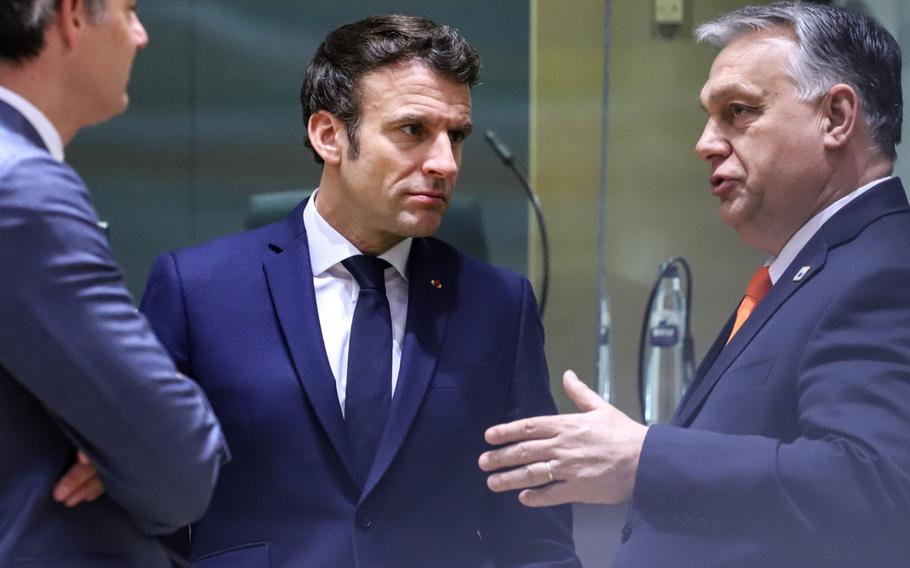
<point x="332" y="77"/>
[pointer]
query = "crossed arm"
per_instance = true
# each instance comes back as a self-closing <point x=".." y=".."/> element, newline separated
<point x="592" y="456"/>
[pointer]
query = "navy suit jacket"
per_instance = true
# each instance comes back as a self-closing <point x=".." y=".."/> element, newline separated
<point x="792" y="446"/>
<point x="240" y="314"/>
<point x="79" y="368"/>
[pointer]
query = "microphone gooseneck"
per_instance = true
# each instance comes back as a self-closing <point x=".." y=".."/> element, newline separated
<point x="509" y="160"/>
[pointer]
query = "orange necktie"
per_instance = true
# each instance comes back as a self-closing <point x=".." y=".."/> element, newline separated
<point x="755" y="291"/>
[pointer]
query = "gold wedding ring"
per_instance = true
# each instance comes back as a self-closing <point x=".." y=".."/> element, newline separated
<point x="549" y="471"/>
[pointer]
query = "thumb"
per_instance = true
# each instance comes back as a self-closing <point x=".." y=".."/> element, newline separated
<point x="82" y="458"/>
<point x="583" y="397"/>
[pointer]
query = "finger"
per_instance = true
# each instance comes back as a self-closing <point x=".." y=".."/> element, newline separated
<point x="531" y="475"/>
<point x="557" y="493"/>
<point x="74" y="478"/>
<point x="520" y="453"/>
<point x="82" y="458"/>
<point x="536" y="428"/>
<point x="89" y="491"/>
<point x="583" y="397"/>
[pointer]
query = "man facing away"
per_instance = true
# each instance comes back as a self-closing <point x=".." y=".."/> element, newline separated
<point x="792" y="445"/>
<point x="353" y="360"/>
<point x="80" y="370"/>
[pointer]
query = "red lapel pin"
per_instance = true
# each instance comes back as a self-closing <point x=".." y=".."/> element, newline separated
<point x="436" y="284"/>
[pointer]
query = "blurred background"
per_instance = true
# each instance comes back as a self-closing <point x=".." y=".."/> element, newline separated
<point x="215" y="118"/>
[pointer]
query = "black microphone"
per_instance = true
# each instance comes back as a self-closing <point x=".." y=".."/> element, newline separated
<point x="509" y="160"/>
<point x="504" y="153"/>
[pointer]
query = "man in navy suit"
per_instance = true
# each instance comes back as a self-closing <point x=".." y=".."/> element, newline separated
<point x="792" y="445"/>
<point x="81" y="373"/>
<point x="341" y="458"/>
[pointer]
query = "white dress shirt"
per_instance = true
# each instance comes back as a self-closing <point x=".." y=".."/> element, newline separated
<point x="778" y="265"/>
<point x="337" y="291"/>
<point x="45" y="129"/>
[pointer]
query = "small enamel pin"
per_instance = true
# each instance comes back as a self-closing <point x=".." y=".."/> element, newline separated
<point x="436" y="284"/>
<point x="802" y="273"/>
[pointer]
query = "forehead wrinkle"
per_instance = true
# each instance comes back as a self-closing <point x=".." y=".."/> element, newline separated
<point x="418" y="79"/>
<point x="752" y="54"/>
<point x="424" y="102"/>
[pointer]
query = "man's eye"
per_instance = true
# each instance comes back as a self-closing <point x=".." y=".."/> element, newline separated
<point x="457" y="136"/>
<point x="737" y="110"/>
<point x="412" y="129"/>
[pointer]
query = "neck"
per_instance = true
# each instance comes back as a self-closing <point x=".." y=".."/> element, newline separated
<point x="356" y="231"/>
<point x="882" y="168"/>
<point x="853" y="168"/>
<point x="42" y="81"/>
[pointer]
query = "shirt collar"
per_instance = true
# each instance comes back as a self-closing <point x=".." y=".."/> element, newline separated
<point x="36" y="118"/>
<point x="777" y="266"/>
<point x="328" y="247"/>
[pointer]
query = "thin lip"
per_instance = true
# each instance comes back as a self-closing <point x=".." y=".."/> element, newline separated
<point x="719" y="181"/>
<point x="434" y="194"/>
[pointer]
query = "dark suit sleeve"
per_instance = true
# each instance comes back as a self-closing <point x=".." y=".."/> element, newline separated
<point x="162" y="304"/>
<point x="71" y="337"/>
<point x="842" y="487"/>
<point x="519" y="535"/>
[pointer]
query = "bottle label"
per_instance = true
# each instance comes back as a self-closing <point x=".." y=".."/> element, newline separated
<point x="664" y="334"/>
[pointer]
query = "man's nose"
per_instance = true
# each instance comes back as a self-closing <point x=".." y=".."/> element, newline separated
<point x="712" y="143"/>
<point x="139" y="32"/>
<point x="442" y="160"/>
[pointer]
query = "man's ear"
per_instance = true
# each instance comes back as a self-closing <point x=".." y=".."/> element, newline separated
<point x="328" y="136"/>
<point x="840" y="113"/>
<point x="72" y="17"/>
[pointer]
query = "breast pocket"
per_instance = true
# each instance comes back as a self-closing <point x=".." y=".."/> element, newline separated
<point x="748" y="375"/>
<point x="254" y="555"/>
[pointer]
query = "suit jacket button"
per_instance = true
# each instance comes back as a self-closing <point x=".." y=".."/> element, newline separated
<point x="626" y="532"/>
<point x="364" y="520"/>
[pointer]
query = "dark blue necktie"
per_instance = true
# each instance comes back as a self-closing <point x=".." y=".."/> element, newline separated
<point x="369" y="387"/>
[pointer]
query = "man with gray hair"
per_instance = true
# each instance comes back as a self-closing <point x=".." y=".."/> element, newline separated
<point x="792" y="445"/>
<point x="85" y="388"/>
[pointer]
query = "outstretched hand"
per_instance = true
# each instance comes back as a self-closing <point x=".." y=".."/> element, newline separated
<point x="591" y="456"/>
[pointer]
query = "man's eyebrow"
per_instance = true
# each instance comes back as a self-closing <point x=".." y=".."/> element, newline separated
<point x="731" y="90"/>
<point x="466" y="128"/>
<point x="409" y="118"/>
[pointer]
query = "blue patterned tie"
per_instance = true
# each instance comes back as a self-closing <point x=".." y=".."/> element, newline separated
<point x="369" y="386"/>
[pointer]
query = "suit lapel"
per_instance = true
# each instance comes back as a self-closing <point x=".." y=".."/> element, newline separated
<point x="888" y="198"/>
<point x="706" y="363"/>
<point x="16" y="122"/>
<point x="290" y="281"/>
<point x="428" y="312"/>
<point x="812" y="255"/>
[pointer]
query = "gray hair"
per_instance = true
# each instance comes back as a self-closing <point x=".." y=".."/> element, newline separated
<point x="43" y="10"/>
<point x="833" y="45"/>
<point x="23" y="22"/>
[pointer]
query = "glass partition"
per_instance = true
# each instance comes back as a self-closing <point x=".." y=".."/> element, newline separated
<point x="215" y="119"/>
